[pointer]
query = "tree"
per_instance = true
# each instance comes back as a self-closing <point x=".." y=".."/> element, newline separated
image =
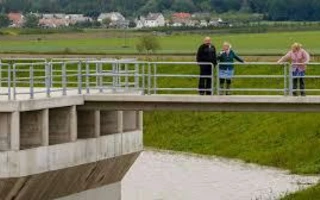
<point x="148" y="44"/>
<point x="31" y="21"/>
<point x="4" y="21"/>
<point x="183" y="6"/>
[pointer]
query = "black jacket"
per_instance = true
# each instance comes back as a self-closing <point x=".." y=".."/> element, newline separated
<point x="207" y="53"/>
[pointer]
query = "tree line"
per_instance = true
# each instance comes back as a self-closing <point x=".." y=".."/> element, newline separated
<point x="277" y="10"/>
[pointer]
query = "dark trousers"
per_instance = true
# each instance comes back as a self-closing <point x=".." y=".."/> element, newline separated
<point x="297" y="77"/>
<point x="295" y="86"/>
<point x="205" y="83"/>
<point x="225" y="84"/>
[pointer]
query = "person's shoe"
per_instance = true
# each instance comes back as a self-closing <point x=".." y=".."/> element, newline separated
<point x="294" y="94"/>
<point x="303" y="94"/>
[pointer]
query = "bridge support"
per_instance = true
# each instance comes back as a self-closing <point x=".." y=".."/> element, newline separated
<point x="56" y="152"/>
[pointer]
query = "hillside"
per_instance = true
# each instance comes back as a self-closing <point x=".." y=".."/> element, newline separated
<point x="272" y="9"/>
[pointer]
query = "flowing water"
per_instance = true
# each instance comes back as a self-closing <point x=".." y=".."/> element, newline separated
<point x="173" y="176"/>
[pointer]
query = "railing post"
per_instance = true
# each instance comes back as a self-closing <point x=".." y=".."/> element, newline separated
<point x="9" y="82"/>
<point x="285" y="77"/>
<point x="79" y="77"/>
<point x="87" y="77"/>
<point x="212" y="79"/>
<point x="290" y="80"/>
<point x="31" y="77"/>
<point x="97" y="75"/>
<point x="119" y="71"/>
<point x="50" y="70"/>
<point x="114" y="78"/>
<point x="155" y="90"/>
<point x="14" y="77"/>
<point x="100" y="77"/>
<point x="126" y="77"/>
<point x="143" y="79"/>
<point x="136" y="76"/>
<point x="218" y="79"/>
<point x="48" y="78"/>
<point x="149" y="79"/>
<point x="64" y="79"/>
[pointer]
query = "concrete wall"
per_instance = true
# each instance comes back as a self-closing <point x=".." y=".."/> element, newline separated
<point x="32" y="128"/>
<point x="62" y="125"/>
<point x="4" y="131"/>
<point x="67" y="181"/>
<point x="111" y="122"/>
<point x="9" y="131"/>
<point x="88" y="124"/>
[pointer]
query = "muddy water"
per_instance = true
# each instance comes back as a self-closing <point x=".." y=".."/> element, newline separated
<point x="174" y="176"/>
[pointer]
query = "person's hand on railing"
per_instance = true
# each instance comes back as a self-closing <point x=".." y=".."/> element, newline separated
<point x="280" y="62"/>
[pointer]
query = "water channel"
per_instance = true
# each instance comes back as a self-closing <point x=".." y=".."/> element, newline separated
<point x="161" y="175"/>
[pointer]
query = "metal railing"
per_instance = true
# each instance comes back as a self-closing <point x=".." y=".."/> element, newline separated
<point x="28" y="80"/>
<point x="279" y="73"/>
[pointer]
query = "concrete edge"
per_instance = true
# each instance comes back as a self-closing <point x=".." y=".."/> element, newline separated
<point x="203" y="99"/>
<point x="39" y="104"/>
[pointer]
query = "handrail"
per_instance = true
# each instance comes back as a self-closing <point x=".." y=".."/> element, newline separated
<point x="77" y="76"/>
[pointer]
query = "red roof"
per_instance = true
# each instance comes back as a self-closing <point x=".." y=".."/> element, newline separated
<point x="16" y="18"/>
<point x="182" y="15"/>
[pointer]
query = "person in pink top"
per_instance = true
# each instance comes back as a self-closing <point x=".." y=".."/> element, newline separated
<point x="299" y="59"/>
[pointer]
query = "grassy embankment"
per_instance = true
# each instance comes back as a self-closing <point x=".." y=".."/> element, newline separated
<point x="285" y="140"/>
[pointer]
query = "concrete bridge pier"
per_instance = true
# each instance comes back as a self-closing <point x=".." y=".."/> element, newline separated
<point x="60" y="152"/>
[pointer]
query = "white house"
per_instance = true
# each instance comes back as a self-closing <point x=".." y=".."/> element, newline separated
<point x="203" y="23"/>
<point x="113" y="16"/>
<point x="151" y="20"/>
<point x="77" y="18"/>
<point x="155" y="20"/>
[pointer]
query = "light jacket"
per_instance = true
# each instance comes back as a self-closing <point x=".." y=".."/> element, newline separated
<point x="301" y="56"/>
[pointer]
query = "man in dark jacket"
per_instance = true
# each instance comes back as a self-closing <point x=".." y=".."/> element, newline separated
<point x="206" y="54"/>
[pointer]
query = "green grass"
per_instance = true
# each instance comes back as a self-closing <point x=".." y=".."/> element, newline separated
<point x="309" y="194"/>
<point x="104" y="42"/>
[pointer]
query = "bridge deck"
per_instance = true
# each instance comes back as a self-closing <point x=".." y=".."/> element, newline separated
<point x="204" y="103"/>
<point x="136" y="101"/>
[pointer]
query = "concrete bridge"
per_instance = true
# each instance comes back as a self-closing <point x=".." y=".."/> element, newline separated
<point x="63" y="138"/>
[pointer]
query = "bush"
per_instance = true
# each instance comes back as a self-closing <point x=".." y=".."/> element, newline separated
<point x="148" y="44"/>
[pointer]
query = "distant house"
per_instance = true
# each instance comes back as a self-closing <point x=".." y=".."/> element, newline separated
<point x="192" y="23"/>
<point x="53" y="22"/>
<point x="113" y="16"/>
<point x="77" y="18"/>
<point x="180" y="19"/>
<point x="203" y="23"/>
<point x="151" y="20"/>
<point x="53" y="16"/>
<point x="154" y="20"/>
<point x="17" y="19"/>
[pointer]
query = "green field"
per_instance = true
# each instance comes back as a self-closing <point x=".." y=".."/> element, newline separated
<point x="112" y="43"/>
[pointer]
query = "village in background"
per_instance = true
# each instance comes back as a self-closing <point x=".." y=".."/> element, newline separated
<point x="112" y="20"/>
